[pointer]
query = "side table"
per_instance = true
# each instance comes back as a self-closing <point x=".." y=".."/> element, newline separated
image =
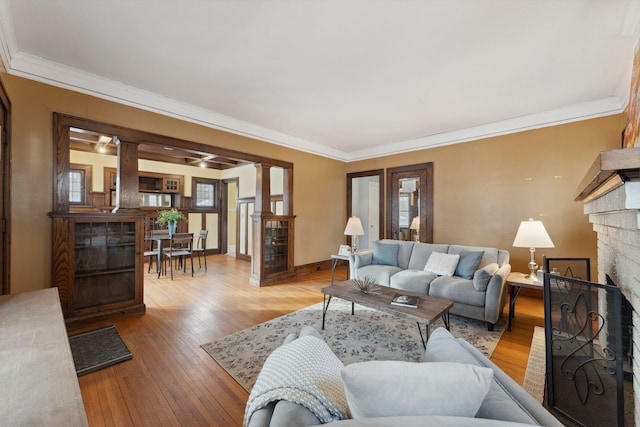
<point x="515" y="282"/>
<point x="334" y="260"/>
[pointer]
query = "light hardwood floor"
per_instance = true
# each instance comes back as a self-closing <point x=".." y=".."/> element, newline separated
<point x="171" y="381"/>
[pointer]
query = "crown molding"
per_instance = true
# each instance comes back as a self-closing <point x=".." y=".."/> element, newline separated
<point x="589" y="110"/>
<point x="38" y="69"/>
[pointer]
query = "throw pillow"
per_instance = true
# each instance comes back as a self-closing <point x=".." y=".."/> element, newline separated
<point x="435" y="388"/>
<point x="385" y="253"/>
<point x="481" y="277"/>
<point x="468" y="264"/>
<point x="442" y="264"/>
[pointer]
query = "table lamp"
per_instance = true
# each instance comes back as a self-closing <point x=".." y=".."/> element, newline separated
<point x="415" y="225"/>
<point x="532" y="235"/>
<point x="353" y="229"/>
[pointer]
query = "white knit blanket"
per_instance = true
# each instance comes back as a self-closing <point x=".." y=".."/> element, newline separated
<point x="304" y="371"/>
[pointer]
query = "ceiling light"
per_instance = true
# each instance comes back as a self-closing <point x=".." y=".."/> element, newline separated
<point x="203" y="164"/>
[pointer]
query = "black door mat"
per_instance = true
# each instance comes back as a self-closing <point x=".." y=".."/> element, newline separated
<point x="98" y="349"/>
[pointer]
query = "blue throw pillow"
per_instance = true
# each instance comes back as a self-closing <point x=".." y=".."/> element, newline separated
<point x="385" y="253"/>
<point x="468" y="264"/>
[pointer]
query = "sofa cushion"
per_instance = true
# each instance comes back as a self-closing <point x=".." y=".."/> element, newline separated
<point x="413" y="280"/>
<point x="422" y="421"/>
<point x="500" y="403"/>
<point x="381" y="274"/>
<point x="417" y="388"/>
<point x="468" y="264"/>
<point x="490" y="254"/>
<point x="442" y="264"/>
<point x="404" y="251"/>
<point x="482" y="276"/>
<point x="385" y="253"/>
<point x="420" y="254"/>
<point x="457" y="289"/>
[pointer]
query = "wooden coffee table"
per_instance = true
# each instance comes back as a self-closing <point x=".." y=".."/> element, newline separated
<point x="429" y="308"/>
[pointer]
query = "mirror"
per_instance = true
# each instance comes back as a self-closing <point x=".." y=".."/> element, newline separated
<point x="410" y="203"/>
<point x="365" y="193"/>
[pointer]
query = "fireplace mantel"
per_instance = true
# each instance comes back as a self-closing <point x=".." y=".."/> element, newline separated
<point x="610" y="170"/>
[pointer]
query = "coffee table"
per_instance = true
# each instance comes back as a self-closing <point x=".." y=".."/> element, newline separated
<point x="429" y="308"/>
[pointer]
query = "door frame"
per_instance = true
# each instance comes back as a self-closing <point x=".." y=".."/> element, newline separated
<point x="5" y="153"/>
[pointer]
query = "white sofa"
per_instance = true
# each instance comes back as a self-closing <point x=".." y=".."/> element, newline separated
<point x="477" y="286"/>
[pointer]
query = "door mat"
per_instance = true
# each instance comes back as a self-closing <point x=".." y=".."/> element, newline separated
<point x="98" y="349"/>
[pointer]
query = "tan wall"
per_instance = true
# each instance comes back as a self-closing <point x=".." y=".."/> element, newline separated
<point x="483" y="189"/>
<point x="319" y="190"/>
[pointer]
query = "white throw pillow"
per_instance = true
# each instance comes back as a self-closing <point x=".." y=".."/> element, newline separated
<point x="390" y="388"/>
<point x="442" y="264"/>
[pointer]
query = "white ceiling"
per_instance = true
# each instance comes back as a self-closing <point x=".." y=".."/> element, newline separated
<point x="342" y="78"/>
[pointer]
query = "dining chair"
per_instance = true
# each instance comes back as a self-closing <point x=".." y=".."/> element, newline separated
<point x="180" y="249"/>
<point x="155" y="239"/>
<point x="201" y="246"/>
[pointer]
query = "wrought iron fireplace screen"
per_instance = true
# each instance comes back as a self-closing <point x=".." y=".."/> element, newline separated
<point x="584" y="350"/>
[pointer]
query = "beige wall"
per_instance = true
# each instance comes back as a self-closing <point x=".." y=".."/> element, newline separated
<point x="483" y="189"/>
<point x="319" y="190"/>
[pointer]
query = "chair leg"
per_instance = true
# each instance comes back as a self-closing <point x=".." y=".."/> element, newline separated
<point x="204" y="255"/>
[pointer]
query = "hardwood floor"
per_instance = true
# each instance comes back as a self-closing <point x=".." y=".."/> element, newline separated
<point x="171" y="381"/>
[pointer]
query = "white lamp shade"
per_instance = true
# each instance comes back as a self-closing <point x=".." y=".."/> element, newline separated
<point x="415" y="224"/>
<point x="532" y="234"/>
<point x="354" y="227"/>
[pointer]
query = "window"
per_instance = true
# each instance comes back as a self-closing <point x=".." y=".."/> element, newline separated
<point x="79" y="184"/>
<point x="205" y="192"/>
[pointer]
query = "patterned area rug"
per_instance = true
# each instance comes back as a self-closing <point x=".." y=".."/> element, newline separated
<point x="369" y="335"/>
<point x="534" y="377"/>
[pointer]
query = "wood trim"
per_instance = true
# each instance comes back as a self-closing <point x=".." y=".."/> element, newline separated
<point x="380" y="174"/>
<point x="425" y="173"/>
<point x="623" y="162"/>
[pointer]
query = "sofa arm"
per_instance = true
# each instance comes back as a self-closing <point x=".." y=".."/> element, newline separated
<point x="359" y="259"/>
<point x="495" y="294"/>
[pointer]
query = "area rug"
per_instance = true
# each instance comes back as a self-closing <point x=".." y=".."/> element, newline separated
<point x="98" y="349"/>
<point x="534" y="377"/>
<point x="369" y="335"/>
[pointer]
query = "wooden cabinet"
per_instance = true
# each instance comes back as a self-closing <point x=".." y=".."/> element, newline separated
<point x="275" y="260"/>
<point x="98" y="265"/>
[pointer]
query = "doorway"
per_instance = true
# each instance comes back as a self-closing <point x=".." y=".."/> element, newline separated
<point x="229" y="216"/>
<point x="410" y="203"/>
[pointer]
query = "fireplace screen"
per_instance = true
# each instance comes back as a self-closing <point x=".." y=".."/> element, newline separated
<point x="584" y="351"/>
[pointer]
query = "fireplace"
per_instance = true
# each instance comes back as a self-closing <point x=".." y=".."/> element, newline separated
<point x="611" y="196"/>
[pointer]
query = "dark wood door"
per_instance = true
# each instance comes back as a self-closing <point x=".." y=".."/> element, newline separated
<point x="409" y="196"/>
<point x="4" y="184"/>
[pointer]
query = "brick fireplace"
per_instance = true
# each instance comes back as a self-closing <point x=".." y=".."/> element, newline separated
<point x="611" y="196"/>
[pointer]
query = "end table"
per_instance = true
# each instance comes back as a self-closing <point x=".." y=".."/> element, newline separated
<point x="515" y="282"/>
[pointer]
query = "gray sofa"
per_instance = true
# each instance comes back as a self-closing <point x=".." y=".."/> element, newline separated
<point x="477" y="286"/>
<point x="505" y="403"/>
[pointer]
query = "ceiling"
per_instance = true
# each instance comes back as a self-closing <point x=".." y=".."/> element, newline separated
<point x="344" y="79"/>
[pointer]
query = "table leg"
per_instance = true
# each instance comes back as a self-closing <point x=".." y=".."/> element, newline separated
<point x="334" y="261"/>
<point x="425" y="338"/>
<point x="325" y="307"/>
<point x="514" y="291"/>
<point x="445" y="319"/>
<point x="159" y="258"/>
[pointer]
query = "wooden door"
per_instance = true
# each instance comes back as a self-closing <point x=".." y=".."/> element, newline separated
<point x="4" y="188"/>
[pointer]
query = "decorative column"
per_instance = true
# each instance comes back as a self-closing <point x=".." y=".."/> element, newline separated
<point x="127" y="184"/>
<point x="262" y="210"/>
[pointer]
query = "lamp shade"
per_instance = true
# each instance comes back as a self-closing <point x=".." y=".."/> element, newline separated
<point x="354" y="227"/>
<point x="415" y="224"/>
<point x="532" y="234"/>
